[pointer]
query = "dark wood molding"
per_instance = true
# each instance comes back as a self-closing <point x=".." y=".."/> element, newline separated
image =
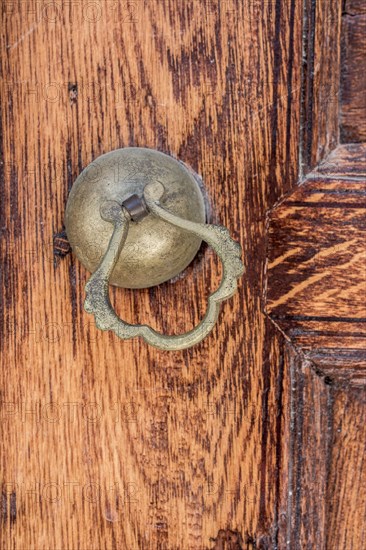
<point x="353" y="70"/>
<point x="320" y="81"/>
<point x="316" y="271"/>
<point x="323" y="497"/>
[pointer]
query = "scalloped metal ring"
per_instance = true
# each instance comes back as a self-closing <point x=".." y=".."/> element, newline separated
<point x="97" y="300"/>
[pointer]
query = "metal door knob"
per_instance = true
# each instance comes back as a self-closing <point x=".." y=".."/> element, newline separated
<point x="135" y="218"/>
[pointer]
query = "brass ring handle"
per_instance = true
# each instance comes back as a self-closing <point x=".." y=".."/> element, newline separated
<point x="97" y="299"/>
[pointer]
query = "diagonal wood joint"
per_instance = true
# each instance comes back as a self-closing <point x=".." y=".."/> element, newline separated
<point x="316" y="265"/>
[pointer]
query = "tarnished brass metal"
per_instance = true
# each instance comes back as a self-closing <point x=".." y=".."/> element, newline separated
<point x="123" y="214"/>
<point x="154" y="251"/>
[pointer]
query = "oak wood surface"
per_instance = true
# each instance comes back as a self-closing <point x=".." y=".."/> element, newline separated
<point x="328" y="495"/>
<point x="313" y="237"/>
<point x="346" y="487"/>
<point x="354" y="7"/>
<point x="320" y="81"/>
<point x="116" y="445"/>
<point x="317" y="265"/>
<point x="353" y="67"/>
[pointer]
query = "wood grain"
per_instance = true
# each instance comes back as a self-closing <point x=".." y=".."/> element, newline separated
<point x="346" y="508"/>
<point x="354" y="7"/>
<point x="328" y="495"/>
<point x="110" y="444"/>
<point x="353" y="67"/>
<point x="317" y="266"/>
<point x="346" y="161"/>
<point x="307" y="456"/>
<point x="320" y="86"/>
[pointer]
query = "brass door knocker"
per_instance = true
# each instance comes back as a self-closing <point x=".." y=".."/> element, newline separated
<point x="136" y="218"/>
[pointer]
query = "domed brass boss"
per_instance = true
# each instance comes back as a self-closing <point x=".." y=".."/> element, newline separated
<point x="135" y="218"/>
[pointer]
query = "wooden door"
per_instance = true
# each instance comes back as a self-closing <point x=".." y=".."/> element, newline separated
<point x="256" y="437"/>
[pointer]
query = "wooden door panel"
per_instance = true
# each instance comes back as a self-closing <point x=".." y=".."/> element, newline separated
<point x="162" y="450"/>
<point x="353" y="102"/>
<point x="110" y="444"/>
<point x="317" y="265"/>
<point x="320" y="83"/>
<point x="316" y="283"/>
